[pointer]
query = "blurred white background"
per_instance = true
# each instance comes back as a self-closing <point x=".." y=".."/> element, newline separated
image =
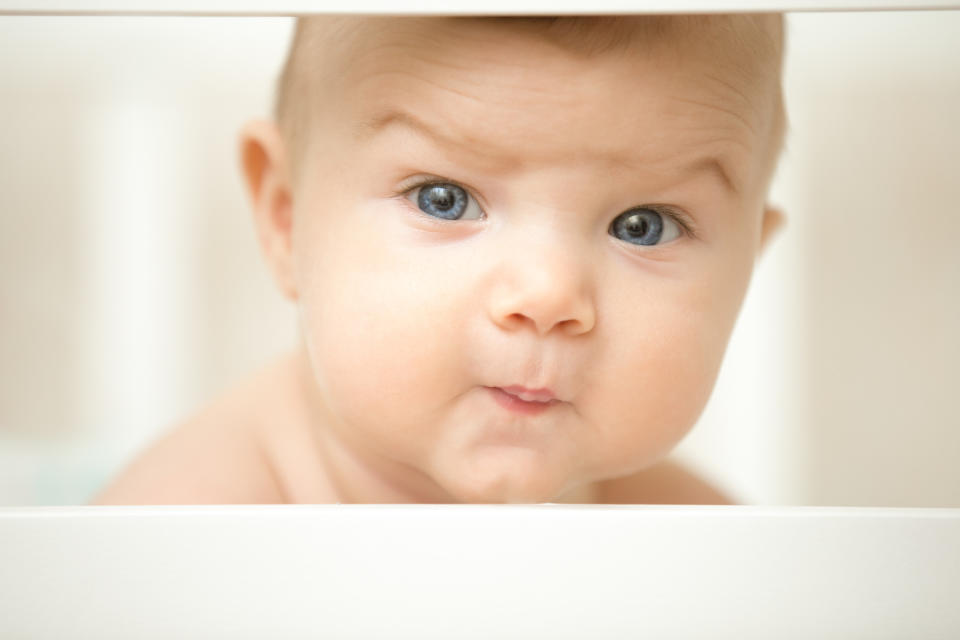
<point x="131" y="289"/>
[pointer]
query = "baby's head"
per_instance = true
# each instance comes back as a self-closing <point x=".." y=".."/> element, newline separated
<point x="459" y="206"/>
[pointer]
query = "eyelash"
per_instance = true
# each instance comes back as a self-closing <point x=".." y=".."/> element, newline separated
<point x="682" y="219"/>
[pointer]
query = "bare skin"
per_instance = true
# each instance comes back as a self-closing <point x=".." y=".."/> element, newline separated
<point x="253" y="445"/>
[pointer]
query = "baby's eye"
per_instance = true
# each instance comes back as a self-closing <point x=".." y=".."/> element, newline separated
<point x="445" y="200"/>
<point x="644" y="226"/>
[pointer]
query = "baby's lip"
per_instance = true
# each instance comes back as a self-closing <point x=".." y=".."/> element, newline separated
<point x="530" y="395"/>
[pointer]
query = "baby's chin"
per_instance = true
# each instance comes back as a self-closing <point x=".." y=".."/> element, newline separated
<point x="502" y="475"/>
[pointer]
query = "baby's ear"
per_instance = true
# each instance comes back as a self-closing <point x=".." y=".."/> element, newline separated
<point x="773" y="220"/>
<point x="263" y="161"/>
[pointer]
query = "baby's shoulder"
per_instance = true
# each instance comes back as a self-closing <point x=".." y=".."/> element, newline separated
<point x="215" y="456"/>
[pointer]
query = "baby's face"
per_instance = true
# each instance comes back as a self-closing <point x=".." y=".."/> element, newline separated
<point x="480" y="210"/>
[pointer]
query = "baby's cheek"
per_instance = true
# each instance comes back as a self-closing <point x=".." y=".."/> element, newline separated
<point x="386" y="348"/>
<point x="654" y="388"/>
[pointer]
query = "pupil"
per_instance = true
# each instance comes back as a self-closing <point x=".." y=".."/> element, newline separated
<point x="442" y="198"/>
<point x="637" y="225"/>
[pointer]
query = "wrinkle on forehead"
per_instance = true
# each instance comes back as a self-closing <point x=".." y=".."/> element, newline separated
<point x="737" y="94"/>
<point x="739" y="57"/>
<point x="711" y="156"/>
<point x="517" y="132"/>
<point x="514" y="101"/>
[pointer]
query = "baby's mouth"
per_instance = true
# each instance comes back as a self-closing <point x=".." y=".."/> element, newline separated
<point x="529" y="395"/>
<point x="525" y="401"/>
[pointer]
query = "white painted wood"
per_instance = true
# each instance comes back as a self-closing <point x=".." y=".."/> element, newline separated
<point x="449" y="7"/>
<point x="427" y="571"/>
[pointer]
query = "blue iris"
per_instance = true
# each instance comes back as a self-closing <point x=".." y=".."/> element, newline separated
<point x="638" y="226"/>
<point x="443" y="200"/>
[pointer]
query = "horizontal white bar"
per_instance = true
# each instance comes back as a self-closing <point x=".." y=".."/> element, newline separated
<point x="447" y="7"/>
<point x="423" y="571"/>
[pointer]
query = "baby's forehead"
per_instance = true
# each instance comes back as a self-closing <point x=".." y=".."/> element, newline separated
<point x="516" y="54"/>
<point x="325" y="48"/>
<point x="750" y="41"/>
<point x="561" y="60"/>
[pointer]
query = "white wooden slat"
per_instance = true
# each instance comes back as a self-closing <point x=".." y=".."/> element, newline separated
<point x="479" y="571"/>
<point x="448" y="7"/>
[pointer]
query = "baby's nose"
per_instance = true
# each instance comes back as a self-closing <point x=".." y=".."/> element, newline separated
<point x="545" y="289"/>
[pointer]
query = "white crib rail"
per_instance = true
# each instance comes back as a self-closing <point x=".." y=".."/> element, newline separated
<point x="448" y="7"/>
<point x="421" y="571"/>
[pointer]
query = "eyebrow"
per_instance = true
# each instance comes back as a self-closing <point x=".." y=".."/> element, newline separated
<point x="710" y="165"/>
<point x="713" y="166"/>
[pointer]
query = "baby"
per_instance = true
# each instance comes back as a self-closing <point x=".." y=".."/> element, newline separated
<point x="517" y="248"/>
